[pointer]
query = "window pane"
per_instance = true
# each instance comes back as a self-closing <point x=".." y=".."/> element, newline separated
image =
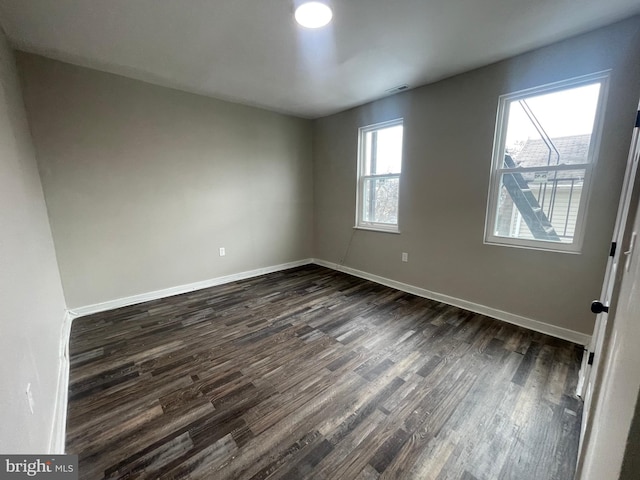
<point x="552" y="128"/>
<point x="539" y="205"/>
<point x="383" y="151"/>
<point x="380" y="200"/>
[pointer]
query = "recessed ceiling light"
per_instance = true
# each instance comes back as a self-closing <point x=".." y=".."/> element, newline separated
<point x="313" y="14"/>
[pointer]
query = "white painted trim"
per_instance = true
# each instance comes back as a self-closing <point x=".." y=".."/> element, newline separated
<point x="58" y="430"/>
<point x="360" y="223"/>
<point x="583" y="374"/>
<point x="190" y="287"/>
<point x="531" y="324"/>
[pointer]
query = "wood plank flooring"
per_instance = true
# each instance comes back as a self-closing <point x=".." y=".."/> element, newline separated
<point x="311" y="373"/>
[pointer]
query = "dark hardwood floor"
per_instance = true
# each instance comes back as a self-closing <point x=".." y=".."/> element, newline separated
<point x="311" y="373"/>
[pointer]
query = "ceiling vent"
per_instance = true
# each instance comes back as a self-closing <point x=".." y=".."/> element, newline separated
<point x="399" y="88"/>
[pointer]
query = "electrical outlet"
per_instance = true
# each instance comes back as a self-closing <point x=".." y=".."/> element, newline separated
<point x="405" y="257"/>
<point x="30" y="397"/>
<point x="223" y="252"/>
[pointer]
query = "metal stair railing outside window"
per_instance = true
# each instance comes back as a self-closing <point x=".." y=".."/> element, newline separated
<point x="527" y="204"/>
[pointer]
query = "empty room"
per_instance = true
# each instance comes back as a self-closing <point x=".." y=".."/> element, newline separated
<point x="337" y="239"/>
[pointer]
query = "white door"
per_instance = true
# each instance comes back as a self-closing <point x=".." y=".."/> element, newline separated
<point x="589" y="373"/>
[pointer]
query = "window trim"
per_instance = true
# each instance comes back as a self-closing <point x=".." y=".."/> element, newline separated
<point x="575" y="247"/>
<point x="360" y="223"/>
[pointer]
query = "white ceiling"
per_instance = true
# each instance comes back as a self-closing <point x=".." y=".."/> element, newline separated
<point x="251" y="51"/>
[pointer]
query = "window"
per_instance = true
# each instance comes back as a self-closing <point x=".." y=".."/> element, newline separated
<point x="379" y="168"/>
<point x="544" y="149"/>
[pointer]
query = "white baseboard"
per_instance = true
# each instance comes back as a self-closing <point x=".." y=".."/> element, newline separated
<point x="191" y="287"/>
<point x="58" y="431"/>
<point x="59" y="428"/>
<point x="583" y="375"/>
<point x="57" y="440"/>
<point x="531" y="324"/>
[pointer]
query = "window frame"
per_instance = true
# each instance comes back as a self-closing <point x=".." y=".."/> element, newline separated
<point x="497" y="160"/>
<point x="361" y="178"/>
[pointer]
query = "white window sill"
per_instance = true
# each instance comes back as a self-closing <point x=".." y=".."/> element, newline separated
<point x="534" y="245"/>
<point x="378" y="229"/>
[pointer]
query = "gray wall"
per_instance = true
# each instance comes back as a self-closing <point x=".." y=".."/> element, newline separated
<point x="31" y="301"/>
<point x="145" y="183"/>
<point x="449" y="128"/>
<point x="631" y="463"/>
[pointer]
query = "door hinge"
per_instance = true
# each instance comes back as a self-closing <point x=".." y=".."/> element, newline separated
<point x="612" y="251"/>
<point x="590" y="361"/>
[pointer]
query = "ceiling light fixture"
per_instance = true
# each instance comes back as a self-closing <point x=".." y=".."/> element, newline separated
<point x="313" y="14"/>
